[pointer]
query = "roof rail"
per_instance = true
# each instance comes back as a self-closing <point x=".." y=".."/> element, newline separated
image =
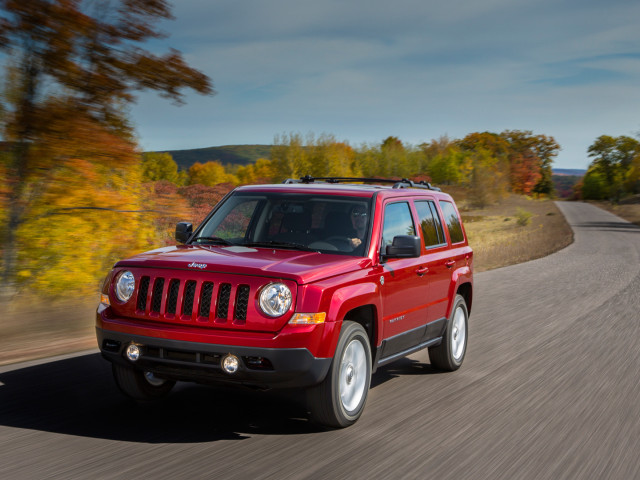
<point x="404" y="183"/>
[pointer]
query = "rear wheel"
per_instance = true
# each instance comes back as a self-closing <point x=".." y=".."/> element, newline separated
<point x="338" y="401"/>
<point x="448" y="356"/>
<point x="140" y="385"/>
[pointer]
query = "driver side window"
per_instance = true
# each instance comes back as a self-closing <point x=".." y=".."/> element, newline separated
<point x="397" y="221"/>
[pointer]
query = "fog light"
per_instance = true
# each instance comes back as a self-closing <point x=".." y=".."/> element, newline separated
<point x="133" y="352"/>
<point x="230" y="363"/>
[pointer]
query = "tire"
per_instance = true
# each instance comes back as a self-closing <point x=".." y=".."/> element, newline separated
<point x="338" y="401"/>
<point x="140" y="385"/>
<point x="449" y="355"/>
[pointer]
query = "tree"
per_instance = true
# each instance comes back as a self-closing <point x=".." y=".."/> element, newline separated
<point x="260" y="172"/>
<point x="209" y="174"/>
<point x="159" y="166"/>
<point x="632" y="182"/>
<point x="530" y="159"/>
<point x="613" y="158"/>
<point x="394" y="155"/>
<point x="74" y="62"/>
<point x="594" y="185"/>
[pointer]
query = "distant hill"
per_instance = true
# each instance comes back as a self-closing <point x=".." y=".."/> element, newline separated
<point x="574" y="172"/>
<point x="227" y="154"/>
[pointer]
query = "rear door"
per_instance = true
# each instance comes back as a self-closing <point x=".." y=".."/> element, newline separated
<point x="436" y="258"/>
<point x="404" y="286"/>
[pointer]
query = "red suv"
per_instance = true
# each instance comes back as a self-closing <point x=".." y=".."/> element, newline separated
<point x="313" y="284"/>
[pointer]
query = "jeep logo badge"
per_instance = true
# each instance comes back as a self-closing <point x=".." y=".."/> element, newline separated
<point x="197" y="265"/>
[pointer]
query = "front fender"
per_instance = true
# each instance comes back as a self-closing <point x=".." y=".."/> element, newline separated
<point x="353" y="296"/>
<point x="337" y="303"/>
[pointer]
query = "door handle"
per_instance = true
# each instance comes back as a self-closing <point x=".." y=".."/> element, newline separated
<point x="450" y="263"/>
<point x="422" y="270"/>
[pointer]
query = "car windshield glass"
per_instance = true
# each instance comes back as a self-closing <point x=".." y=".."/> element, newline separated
<point x="324" y="223"/>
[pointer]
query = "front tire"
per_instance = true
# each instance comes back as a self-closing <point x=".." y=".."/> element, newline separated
<point x="140" y="385"/>
<point x="338" y="401"/>
<point x="449" y="355"/>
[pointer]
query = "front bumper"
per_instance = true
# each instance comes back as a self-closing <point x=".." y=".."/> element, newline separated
<point x="201" y="362"/>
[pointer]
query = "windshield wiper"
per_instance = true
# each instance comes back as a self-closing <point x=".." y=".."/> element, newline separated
<point x="274" y="244"/>
<point x="213" y="241"/>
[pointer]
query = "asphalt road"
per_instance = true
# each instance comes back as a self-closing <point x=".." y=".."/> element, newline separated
<point x="550" y="389"/>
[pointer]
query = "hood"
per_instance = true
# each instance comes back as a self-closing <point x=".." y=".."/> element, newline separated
<point x="302" y="267"/>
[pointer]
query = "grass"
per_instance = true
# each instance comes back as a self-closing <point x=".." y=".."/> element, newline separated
<point x="628" y="211"/>
<point x="515" y="230"/>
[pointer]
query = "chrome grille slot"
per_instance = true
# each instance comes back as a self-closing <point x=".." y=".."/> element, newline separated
<point x="142" y="293"/>
<point x="206" y="294"/>
<point x="189" y="297"/>
<point x="172" y="296"/>
<point x="242" y="301"/>
<point x="224" y="295"/>
<point x="156" y="299"/>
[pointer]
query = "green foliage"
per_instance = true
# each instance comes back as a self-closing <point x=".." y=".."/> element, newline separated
<point x="595" y="185"/>
<point x="159" y="166"/>
<point x="614" y="168"/>
<point x="445" y="169"/>
<point x="632" y="180"/>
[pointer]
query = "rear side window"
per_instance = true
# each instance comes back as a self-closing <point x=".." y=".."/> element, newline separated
<point x="430" y="224"/>
<point x="453" y="222"/>
<point x="397" y="221"/>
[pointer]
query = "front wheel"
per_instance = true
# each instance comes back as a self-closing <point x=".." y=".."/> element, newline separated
<point x="140" y="385"/>
<point x="448" y="356"/>
<point x="338" y="401"/>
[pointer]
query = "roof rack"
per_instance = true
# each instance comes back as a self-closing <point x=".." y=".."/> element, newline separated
<point x="404" y="183"/>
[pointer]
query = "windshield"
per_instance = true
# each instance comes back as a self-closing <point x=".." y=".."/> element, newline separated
<point x="323" y="223"/>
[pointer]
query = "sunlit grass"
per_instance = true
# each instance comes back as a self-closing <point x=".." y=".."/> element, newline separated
<point x="628" y="211"/>
<point x="499" y="238"/>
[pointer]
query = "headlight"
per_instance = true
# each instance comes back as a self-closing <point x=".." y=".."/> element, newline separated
<point x="125" y="286"/>
<point x="275" y="299"/>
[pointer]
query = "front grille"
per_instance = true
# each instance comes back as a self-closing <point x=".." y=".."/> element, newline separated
<point x="187" y="299"/>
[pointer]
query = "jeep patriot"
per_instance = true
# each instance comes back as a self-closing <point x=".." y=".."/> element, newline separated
<point x="310" y="284"/>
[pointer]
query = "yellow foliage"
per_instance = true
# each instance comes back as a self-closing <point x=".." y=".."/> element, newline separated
<point x="210" y="174"/>
<point x="88" y="214"/>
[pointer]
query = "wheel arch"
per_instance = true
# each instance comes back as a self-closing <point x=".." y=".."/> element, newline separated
<point x="366" y="316"/>
<point x="466" y="291"/>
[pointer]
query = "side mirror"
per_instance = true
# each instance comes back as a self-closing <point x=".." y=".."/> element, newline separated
<point x="404" y="246"/>
<point x="183" y="232"/>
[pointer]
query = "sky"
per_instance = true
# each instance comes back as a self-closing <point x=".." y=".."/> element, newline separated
<point x="363" y="70"/>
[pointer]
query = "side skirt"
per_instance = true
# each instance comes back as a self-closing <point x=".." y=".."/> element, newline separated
<point x="410" y="342"/>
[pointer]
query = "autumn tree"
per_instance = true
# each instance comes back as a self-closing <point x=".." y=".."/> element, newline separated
<point x="531" y="158"/>
<point x="209" y="174"/>
<point x="159" y="166"/>
<point x="74" y="62"/>
<point x="290" y="157"/>
<point x="262" y="171"/>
